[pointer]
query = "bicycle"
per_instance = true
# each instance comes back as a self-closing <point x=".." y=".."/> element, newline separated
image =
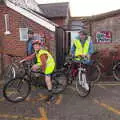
<point x="11" y="70"/>
<point x="116" y="71"/>
<point x="114" y="65"/>
<point x="18" y="88"/>
<point x="76" y="71"/>
<point x="94" y="74"/>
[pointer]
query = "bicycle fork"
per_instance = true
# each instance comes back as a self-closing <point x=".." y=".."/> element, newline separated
<point x="82" y="78"/>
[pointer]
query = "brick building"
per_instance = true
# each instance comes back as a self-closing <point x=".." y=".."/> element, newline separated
<point x="107" y="22"/>
<point x="105" y="30"/>
<point x="19" y="16"/>
<point x="53" y="22"/>
<point x="59" y="13"/>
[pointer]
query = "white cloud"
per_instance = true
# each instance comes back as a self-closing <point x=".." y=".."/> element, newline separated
<point x="93" y="7"/>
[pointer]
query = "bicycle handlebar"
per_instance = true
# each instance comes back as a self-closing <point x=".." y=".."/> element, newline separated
<point x="72" y="58"/>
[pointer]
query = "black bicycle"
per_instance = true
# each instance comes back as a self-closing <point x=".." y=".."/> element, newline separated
<point x="17" y="89"/>
<point x="116" y="71"/>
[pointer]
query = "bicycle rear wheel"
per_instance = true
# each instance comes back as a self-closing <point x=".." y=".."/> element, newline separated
<point x="82" y="91"/>
<point x="116" y="71"/>
<point x="16" y="90"/>
<point x="59" y="80"/>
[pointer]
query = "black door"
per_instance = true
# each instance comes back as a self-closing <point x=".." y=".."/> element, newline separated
<point x="60" y="46"/>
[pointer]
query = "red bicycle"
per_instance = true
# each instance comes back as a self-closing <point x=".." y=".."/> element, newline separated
<point x="79" y="72"/>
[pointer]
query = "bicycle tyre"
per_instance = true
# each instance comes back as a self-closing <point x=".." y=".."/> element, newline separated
<point x="12" y="86"/>
<point x="96" y="74"/>
<point x="80" y="89"/>
<point x="10" y="72"/>
<point x="116" y="71"/>
<point x="59" y="80"/>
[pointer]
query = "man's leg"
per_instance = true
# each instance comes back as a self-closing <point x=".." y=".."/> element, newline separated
<point x="48" y="82"/>
<point x="49" y="86"/>
<point x="35" y="67"/>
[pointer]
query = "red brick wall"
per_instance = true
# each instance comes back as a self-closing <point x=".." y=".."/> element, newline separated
<point x="111" y="24"/>
<point x="12" y="43"/>
<point x="1" y="25"/>
<point x="107" y="50"/>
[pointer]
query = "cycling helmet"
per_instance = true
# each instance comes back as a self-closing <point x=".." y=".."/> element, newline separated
<point x="84" y="32"/>
<point x="36" y="42"/>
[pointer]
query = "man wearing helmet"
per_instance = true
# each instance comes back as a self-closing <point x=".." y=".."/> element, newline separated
<point x="82" y="46"/>
<point x="46" y="62"/>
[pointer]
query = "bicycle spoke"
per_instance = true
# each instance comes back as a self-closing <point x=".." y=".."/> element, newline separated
<point x="16" y="90"/>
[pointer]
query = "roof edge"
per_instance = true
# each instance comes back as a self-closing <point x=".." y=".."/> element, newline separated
<point x="33" y="16"/>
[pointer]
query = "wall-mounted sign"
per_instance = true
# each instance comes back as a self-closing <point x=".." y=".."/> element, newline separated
<point x="104" y="37"/>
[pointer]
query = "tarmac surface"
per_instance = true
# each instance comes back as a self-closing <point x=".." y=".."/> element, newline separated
<point x="102" y="104"/>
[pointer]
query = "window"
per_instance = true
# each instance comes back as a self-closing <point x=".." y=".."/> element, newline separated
<point x="7" y="27"/>
<point x="23" y="34"/>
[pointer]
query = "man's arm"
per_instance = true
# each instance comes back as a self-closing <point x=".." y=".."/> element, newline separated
<point x="43" y="59"/>
<point x="72" y="51"/>
<point x="29" y="57"/>
<point x="91" y="48"/>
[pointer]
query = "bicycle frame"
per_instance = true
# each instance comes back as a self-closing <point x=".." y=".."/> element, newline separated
<point x="71" y="68"/>
<point x="76" y="71"/>
<point x="82" y="77"/>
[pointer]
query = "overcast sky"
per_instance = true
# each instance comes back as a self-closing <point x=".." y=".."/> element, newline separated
<point x="88" y="7"/>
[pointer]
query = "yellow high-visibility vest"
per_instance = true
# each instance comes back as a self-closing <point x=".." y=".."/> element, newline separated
<point x="50" y="65"/>
<point x="81" y="50"/>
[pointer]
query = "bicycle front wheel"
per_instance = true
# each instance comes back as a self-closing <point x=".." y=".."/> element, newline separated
<point x="83" y="88"/>
<point x="9" y="72"/>
<point x="16" y="90"/>
<point x="116" y="71"/>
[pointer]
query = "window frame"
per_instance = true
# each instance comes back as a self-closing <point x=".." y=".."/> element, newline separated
<point x="22" y="35"/>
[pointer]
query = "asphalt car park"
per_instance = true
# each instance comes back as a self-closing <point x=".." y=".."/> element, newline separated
<point x="101" y="104"/>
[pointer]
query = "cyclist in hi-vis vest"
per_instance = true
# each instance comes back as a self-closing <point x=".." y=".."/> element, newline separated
<point x="82" y="46"/>
<point x="45" y="62"/>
